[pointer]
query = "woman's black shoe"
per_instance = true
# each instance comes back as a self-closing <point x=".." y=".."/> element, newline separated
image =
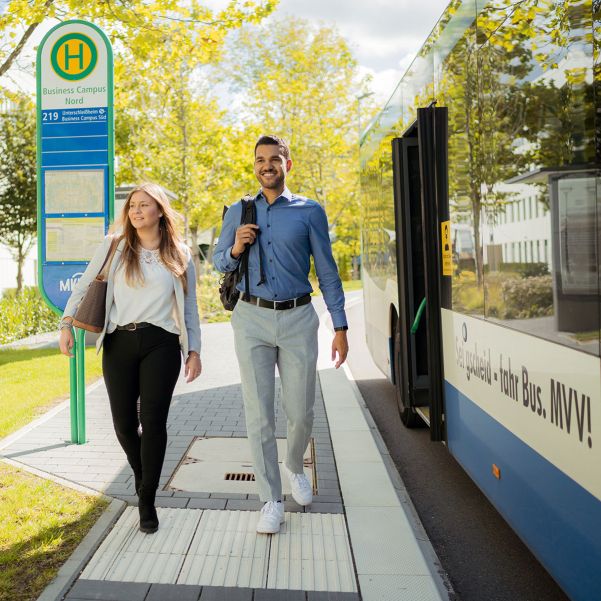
<point x="149" y="521"/>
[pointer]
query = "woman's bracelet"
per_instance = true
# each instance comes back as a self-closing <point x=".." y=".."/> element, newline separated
<point x="65" y="324"/>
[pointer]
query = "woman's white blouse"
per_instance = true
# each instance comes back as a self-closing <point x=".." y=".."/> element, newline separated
<point x="153" y="301"/>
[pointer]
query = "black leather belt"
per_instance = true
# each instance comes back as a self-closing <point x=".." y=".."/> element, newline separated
<point x="277" y="305"/>
<point x="132" y="327"/>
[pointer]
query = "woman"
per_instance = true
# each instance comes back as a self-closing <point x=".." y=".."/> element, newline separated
<point x="150" y="309"/>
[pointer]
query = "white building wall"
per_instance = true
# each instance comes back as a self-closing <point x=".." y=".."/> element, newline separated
<point x="8" y="269"/>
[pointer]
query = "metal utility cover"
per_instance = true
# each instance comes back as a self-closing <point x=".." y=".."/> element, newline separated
<point x="208" y="460"/>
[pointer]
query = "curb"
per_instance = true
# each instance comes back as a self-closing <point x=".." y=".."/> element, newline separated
<point x="71" y="569"/>
<point x="439" y="576"/>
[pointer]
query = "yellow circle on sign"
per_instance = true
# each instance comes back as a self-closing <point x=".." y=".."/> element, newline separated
<point x="74" y="56"/>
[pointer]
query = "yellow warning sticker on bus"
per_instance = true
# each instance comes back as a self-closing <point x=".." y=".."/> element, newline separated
<point x="446" y="248"/>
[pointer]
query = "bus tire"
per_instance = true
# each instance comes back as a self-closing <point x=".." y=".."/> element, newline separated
<point x="409" y="417"/>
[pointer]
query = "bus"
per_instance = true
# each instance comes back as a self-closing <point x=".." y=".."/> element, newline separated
<point x="481" y="222"/>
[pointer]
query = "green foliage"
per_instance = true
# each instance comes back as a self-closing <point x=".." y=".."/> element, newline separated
<point x="300" y="82"/>
<point x="209" y="305"/>
<point x="527" y="297"/>
<point x="18" y="199"/>
<point x="23" y="315"/>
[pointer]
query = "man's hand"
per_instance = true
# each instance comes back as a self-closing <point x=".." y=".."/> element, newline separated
<point x="340" y="346"/>
<point x="245" y="234"/>
<point x="193" y="366"/>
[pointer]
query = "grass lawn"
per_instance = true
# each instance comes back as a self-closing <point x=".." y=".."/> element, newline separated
<point x="33" y="380"/>
<point x="41" y="524"/>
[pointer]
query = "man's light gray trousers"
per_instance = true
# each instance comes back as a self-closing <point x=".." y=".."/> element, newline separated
<point x="265" y="338"/>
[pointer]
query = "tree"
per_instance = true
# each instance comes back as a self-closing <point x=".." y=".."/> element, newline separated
<point x="18" y="201"/>
<point x="301" y="82"/>
<point x="129" y="22"/>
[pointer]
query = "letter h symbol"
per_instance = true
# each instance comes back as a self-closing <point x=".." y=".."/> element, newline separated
<point x="68" y="56"/>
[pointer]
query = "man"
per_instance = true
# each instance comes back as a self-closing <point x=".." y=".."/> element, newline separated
<point x="278" y="325"/>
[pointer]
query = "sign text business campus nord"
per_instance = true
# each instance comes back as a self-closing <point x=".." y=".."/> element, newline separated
<point x="75" y="153"/>
<point x="75" y="149"/>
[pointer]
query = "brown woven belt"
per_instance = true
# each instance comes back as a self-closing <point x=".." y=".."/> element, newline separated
<point x="132" y="327"/>
<point x="277" y="305"/>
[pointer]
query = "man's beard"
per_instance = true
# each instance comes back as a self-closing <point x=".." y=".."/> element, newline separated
<point x="276" y="182"/>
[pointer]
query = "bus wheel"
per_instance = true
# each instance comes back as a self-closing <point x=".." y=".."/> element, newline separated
<point x="408" y="415"/>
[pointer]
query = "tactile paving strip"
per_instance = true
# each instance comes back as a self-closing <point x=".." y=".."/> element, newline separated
<point x="222" y="548"/>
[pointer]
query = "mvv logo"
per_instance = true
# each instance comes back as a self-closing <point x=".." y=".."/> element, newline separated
<point x="74" y="56"/>
<point x="68" y="284"/>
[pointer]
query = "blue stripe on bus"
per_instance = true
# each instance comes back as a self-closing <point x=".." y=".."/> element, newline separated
<point x="82" y="143"/>
<point x="59" y="130"/>
<point x="96" y="157"/>
<point x="557" y="519"/>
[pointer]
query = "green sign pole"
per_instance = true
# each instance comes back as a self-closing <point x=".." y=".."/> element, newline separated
<point x="73" y="390"/>
<point x="80" y="349"/>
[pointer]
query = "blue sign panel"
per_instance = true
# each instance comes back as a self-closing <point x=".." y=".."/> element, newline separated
<point x="75" y="154"/>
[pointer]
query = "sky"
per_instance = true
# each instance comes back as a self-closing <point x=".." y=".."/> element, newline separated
<point x="384" y="35"/>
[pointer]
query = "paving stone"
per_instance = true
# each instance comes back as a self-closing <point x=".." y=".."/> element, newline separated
<point x="109" y="591"/>
<point x="171" y="502"/>
<point x="174" y="592"/>
<point x="191" y="494"/>
<point x="129" y="499"/>
<point x="207" y="504"/>
<point x="327" y="499"/>
<point x="230" y="495"/>
<point x="226" y="593"/>
<point x="244" y="505"/>
<point x="270" y="594"/>
<point x="332" y="596"/>
<point x="325" y="508"/>
<point x="293" y="506"/>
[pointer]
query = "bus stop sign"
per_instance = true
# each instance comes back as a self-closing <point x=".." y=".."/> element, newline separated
<point x="75" y="149"/>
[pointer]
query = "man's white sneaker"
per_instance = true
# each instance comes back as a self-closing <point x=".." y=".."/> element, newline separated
<point x="271" y="517"/>
<point x="302" y="492"/>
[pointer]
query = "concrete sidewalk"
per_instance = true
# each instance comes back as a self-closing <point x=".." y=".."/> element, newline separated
<point x="358" y="540"/>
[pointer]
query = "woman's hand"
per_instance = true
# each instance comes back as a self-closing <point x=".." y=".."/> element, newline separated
<point x="193" y="366"/>
<point x="65" y="341"/>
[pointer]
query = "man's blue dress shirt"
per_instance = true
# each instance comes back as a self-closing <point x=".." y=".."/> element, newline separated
<point x="290" y="230"/>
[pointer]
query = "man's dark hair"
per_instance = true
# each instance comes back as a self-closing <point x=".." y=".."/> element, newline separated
<point x="274" y="141"/>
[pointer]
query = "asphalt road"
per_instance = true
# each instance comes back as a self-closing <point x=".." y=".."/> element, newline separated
<point x="483" y="557"/>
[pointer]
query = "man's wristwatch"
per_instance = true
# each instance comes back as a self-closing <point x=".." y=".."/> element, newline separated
<point x="341" y="329"/>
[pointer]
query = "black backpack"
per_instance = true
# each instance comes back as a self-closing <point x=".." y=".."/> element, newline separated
<point x="228" y="293"/>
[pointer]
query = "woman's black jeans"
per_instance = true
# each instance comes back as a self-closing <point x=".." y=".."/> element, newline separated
<point x="144" y="363"/>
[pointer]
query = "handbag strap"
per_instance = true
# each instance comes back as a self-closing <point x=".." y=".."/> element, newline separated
<point x="108" y="259"/>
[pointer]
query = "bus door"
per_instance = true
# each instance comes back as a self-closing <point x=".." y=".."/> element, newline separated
<point x="421" y="213"/>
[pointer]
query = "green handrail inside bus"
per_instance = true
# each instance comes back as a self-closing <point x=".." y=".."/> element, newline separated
<point x="418" y="316"/>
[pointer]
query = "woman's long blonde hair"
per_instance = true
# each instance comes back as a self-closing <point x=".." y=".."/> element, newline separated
<point x="170" y="248"/>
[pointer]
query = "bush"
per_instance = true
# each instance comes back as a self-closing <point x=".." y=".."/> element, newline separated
<point x="527" y="297"/>
<point x="209" y="305"/>
<point x="24" y="315"/>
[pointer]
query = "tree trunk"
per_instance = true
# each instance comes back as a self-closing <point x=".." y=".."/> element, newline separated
<point x="477" y="208"/>
<point x="20" y="261"/>
<point x="195" y="250"/>
<point x="211" y="247"/>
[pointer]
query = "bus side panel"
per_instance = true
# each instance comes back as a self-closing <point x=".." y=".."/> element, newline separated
<point x="557" y="519"/>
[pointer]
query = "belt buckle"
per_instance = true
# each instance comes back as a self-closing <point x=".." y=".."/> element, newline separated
<point x="132" y="329"/>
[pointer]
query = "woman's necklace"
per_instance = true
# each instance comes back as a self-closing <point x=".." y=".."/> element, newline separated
<point x="150" y="256"/>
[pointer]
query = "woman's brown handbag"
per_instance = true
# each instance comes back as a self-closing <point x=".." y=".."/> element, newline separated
<point x="91" y="312"/>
